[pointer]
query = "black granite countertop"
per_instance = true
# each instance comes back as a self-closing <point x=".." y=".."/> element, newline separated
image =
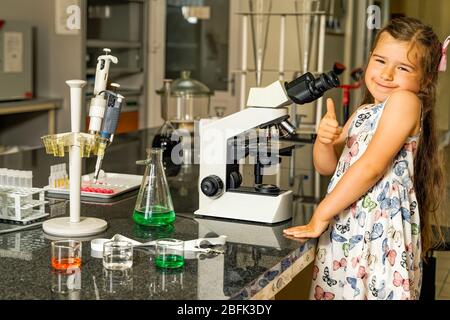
<point x="255" y="254"/>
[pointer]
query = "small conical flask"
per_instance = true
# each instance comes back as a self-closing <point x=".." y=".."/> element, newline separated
<point x="154" y="204"/>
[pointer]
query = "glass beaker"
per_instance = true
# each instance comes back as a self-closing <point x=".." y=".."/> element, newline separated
<point x="154" y="204"/>
<point x="66" y="285"/>
<point x="66" y="254"/>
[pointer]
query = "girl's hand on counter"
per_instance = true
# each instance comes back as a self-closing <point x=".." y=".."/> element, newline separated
<point x="313" y="229"/>
<point x="300" y="240"/>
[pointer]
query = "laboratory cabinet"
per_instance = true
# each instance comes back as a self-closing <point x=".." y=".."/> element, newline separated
<point x="120" y="26"/>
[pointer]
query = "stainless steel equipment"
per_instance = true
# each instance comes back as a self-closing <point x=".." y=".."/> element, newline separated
<point x="189" y="100"/>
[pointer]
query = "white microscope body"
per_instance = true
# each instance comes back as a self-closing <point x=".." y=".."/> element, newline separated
<point x="220" y="190"/>
<point x="264" y="106"/>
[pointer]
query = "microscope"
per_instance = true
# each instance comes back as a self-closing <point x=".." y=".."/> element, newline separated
<point x="254" y="131"/>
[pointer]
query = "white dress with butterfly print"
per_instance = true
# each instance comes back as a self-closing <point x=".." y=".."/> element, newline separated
<point x="372" y="249"/>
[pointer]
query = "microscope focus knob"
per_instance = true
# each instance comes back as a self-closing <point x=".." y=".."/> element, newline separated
<point x="212" y="186"/>
<point x="235" y="180"/>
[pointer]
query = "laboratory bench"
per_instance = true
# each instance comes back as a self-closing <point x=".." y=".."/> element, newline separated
<point x="33" y="105"/>
<point x="258" y="261"/>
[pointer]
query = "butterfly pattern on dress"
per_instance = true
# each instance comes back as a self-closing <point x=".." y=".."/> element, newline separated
<point x="396" y="208"/>
<point x="320" y="294"/>
<point x="326" y="277"/>
<point x="353" y="284"/>
<point x="360" y="216"/>
<point x="400" y="281"/>
<point x="346" y="161"/>
<point x="347" y="246"/>
<point x="380" y="291"/>
<point x="336" y="237"/>
<point x="383" y="199"/>
<point x="379" y="234"/>
<point x="368" y="203"/>
<point x="395" y="235"/>
<point x="343" y="228"/>
<point x="315" y="272"/>
<point x="389" y="254"/>
<point x="339" y="264"/>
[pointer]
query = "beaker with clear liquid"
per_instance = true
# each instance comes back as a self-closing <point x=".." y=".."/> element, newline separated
<point x="154" y="203"/>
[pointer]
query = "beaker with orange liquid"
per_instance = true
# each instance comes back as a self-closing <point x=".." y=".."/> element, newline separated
<point x="66" y="254"/>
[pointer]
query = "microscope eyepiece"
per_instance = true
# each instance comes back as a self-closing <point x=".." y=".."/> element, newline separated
<point x="306" y="88"/>
<point x="325" y="82"/>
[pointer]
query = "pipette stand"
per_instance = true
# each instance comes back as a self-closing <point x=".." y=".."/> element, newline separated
<point x="78" y="145"/>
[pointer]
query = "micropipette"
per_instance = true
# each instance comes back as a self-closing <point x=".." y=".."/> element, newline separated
<point x="110" y="121"/>
<point x="98" y="102"/>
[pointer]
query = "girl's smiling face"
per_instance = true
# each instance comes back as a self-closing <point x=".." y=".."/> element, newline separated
<point x="393" y="66"/>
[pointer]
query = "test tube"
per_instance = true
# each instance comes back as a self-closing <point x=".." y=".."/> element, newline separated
<point x="53" y="172"/>
<point x="51" y="178"/>
<point x="29" y="179"/>
<point x="2" y="176"/>
<point x="58" y="176"/>
<point x="10" y="177"/>
<point x="17" y="176"/>
<point x="23" y="179"/>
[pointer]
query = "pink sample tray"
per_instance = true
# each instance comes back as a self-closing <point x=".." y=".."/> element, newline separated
<point x="111" y="185"/>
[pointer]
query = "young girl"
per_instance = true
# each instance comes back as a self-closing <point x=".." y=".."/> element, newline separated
<point x="375" y="222"/>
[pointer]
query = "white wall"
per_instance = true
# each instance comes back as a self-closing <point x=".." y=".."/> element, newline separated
<point x="37" y="13"/>
<point x="57" y="57"/>
<point x="334" y="52"/>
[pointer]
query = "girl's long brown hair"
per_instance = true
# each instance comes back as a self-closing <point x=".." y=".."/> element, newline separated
<point x="429" y="181"/>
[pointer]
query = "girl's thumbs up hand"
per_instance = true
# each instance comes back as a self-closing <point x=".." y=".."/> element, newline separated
<point x="329" y="129"/>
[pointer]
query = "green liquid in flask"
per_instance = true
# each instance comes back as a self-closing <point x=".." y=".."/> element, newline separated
<point x="159" y="216"/>
<point x="169" y="261"/>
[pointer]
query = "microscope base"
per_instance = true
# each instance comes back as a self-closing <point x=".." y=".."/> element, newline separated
<point x="63" y="227"/>
<point x="248" y="207"/>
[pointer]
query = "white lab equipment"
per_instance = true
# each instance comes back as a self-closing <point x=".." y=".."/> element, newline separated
<point x="227" y="141"/>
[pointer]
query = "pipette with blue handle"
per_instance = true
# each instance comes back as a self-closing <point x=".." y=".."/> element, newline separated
<point x="111" y="119"/>
<point x="98" y="102"/>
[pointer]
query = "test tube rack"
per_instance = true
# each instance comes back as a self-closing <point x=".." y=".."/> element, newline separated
<point x="18" y="204"/>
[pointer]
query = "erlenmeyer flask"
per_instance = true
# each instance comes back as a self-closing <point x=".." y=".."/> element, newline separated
<point x="148" y="233"/>
<point x="154" y="204"/>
